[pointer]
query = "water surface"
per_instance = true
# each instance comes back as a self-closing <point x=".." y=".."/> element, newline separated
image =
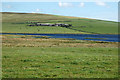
<point x="94" y="37"/>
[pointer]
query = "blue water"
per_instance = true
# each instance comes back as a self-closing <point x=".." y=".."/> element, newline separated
<point x="94" y="37"/>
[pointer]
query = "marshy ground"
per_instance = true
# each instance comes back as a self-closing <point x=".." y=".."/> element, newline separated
<point x="29" y="57"/>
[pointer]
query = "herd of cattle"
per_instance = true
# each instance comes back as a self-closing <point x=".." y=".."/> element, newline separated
<point x="49" y="24"/>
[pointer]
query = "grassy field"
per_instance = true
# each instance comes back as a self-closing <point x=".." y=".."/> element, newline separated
<point x="24" y="56"/>
<point x="23" y="28"/>
<point x="17" y="22"/>
<point x="28" y="57"/>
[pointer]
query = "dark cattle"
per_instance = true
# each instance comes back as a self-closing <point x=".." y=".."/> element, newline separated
<point x="31" y="25"/>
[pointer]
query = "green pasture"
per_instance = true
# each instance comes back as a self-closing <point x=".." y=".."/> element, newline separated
<point x="17" y="22"/>
<point x="59" y="62"/>
<point x="24" y="56"/>
<point x="28" y="57"/>
<point x="23" y="28"/>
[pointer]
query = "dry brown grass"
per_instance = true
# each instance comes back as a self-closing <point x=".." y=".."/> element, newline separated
<point x="28" y="41"/>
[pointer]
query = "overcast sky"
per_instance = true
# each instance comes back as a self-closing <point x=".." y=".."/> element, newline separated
<point x="96" y="10"/>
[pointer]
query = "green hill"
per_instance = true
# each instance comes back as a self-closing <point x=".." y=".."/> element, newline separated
<point x="17" y="22"/>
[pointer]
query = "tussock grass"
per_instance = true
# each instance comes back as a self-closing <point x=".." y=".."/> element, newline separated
<point x="30" y="57"/>
<point x="30" y="41"/>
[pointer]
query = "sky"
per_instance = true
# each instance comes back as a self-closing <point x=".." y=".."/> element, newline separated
<point x="95" y="10"/>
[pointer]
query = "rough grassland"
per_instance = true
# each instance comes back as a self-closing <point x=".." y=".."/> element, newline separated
<point x="27" y="57"/>
<point x="30" y="57"/>
<point x="23" y="28"/>
<point x="16" y="22"/>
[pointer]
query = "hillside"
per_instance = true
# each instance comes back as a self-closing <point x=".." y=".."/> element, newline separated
<point x="42" y="56"/>
<point x="17" y="22"/>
